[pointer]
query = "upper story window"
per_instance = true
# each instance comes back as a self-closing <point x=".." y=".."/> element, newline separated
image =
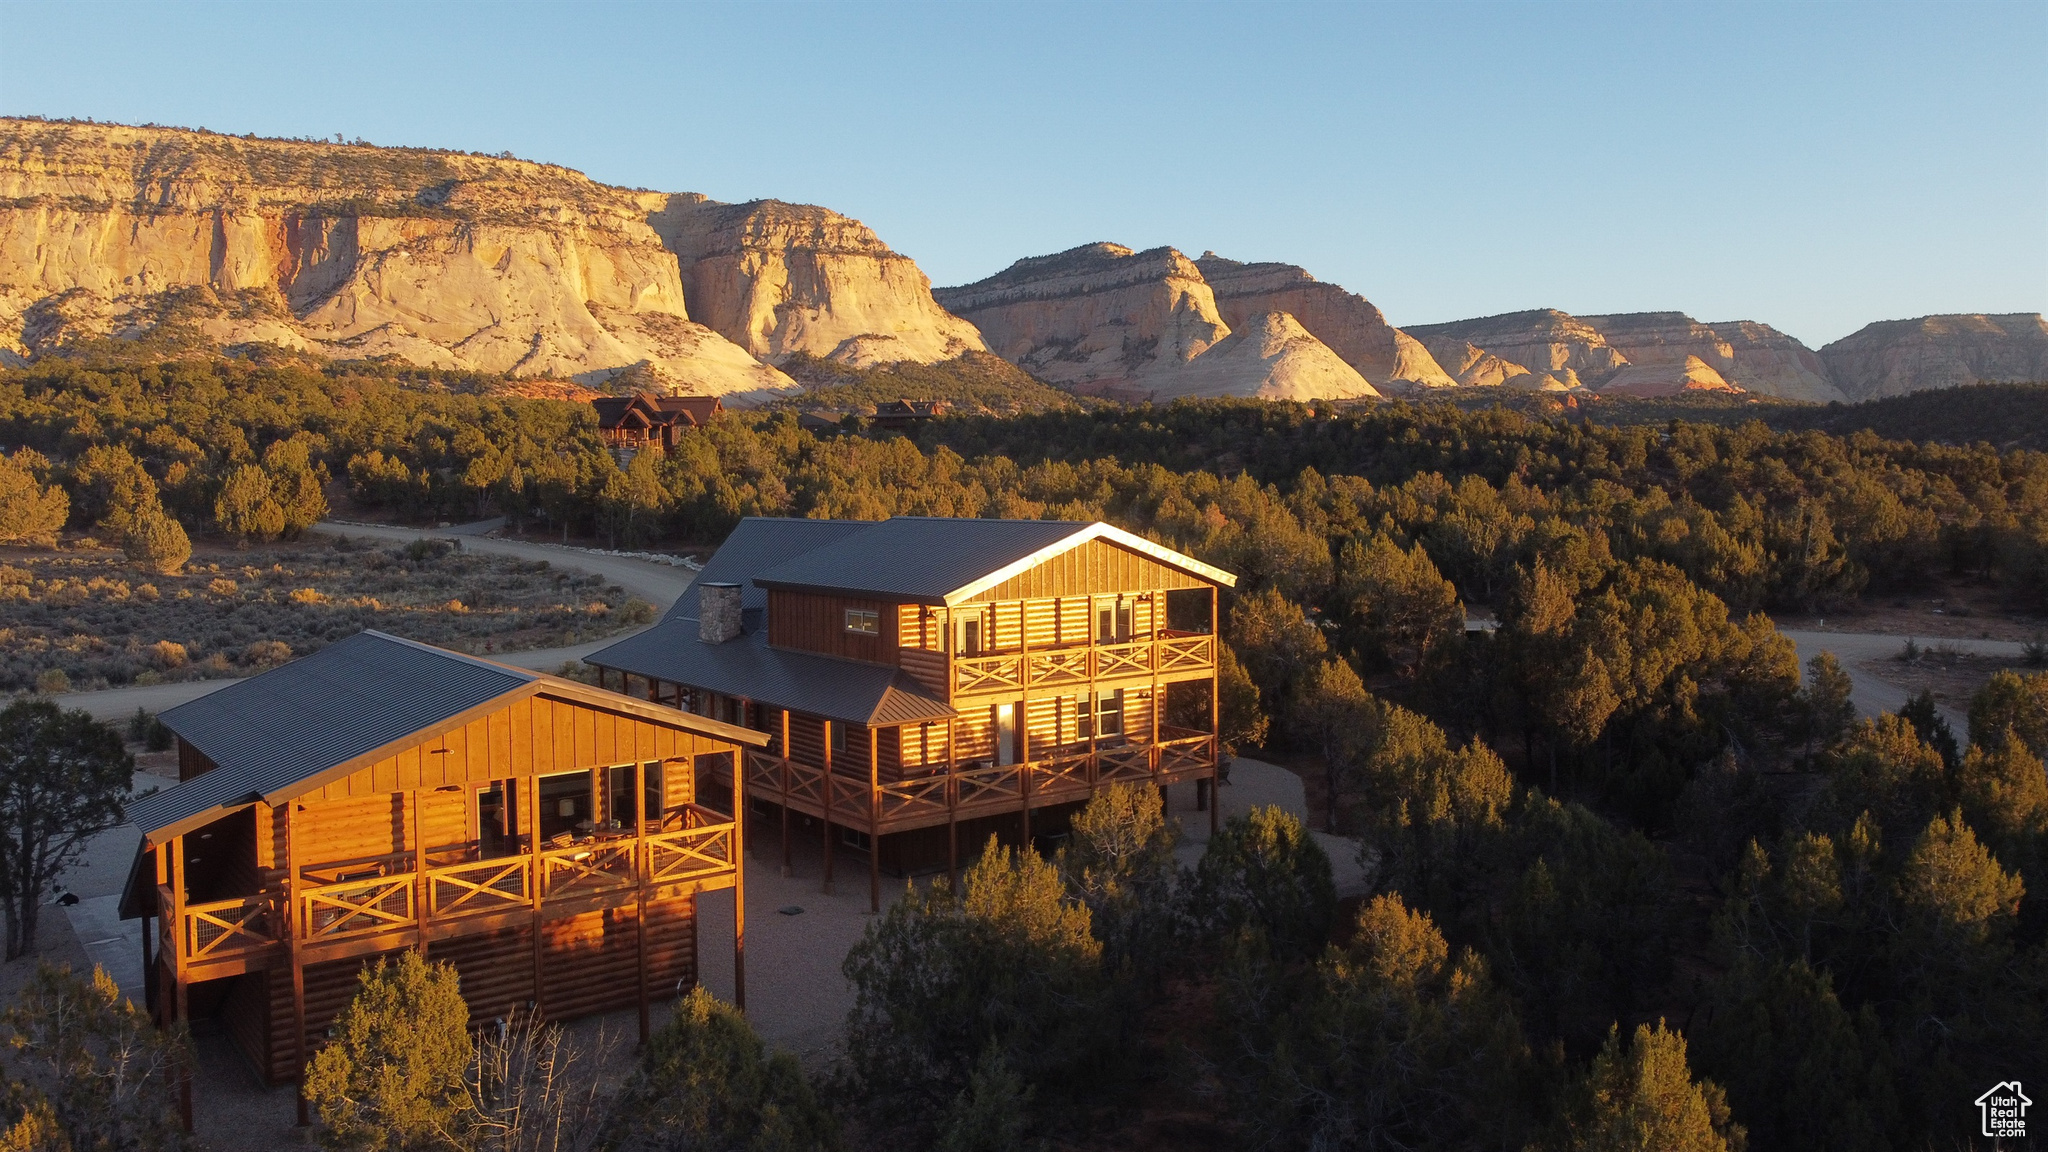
<point x="863" y="621"/>
<point x="1113" y="622"/>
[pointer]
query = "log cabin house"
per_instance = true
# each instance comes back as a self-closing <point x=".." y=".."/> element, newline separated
<point x="906" y="415"/>
<point x="541" y="835"/>
<point x="924" y="678"/>
<point x="644" y="421"/>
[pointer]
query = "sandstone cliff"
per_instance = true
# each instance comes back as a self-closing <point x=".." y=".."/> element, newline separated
<point x="1272" y="357"/>
<point x="1475" y="367"/>
<point x="1099" y="317"/>
<point x="778" y="278"/>
<point x="1545" y="341"/>
<point x="1898" y="356"/>
<point x="1348" y="323"/>
<point x="441" y="258"/>
<point x="1754" y="357"/>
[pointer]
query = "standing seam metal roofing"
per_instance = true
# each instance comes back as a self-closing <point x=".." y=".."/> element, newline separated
<point x="857" y="693"/>
<point x="918" y="557"/>
<point x="761" y="542"/>
<point x="285" y="725"/>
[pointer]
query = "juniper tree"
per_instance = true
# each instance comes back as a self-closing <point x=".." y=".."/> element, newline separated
<point x="63" y="779"/>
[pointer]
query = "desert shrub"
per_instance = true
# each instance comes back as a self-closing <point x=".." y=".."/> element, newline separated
<point x="157" y="543"/>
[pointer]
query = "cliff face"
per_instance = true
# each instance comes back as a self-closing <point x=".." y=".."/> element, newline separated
<point x="1546" y="341"/>
<point x="1893" y="357"/>
<point x="1100" y="316"/>
<point x="1147" y="326"/>
<point x="1751" y="356"/>
<point x="778" y="278"/>
<point x="440" y="258"/>
<point x="1348" y="323"/>
<point x="1475" y="367"/>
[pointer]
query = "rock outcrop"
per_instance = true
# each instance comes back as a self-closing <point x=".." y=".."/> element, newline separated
<point x="1345" y="321"/>
<point x="1753" y="357"/>
<point x="1271" y="357"/>
<point x="1475" y="367"/>
<point x="1893" y="357"/>
<point x="1107" y="320"/>
<point x="441" y="258"/>
<point x="1666" y="377"/>
<point x="1100" y="317"/>
<point x="1545" y="341"/>
<point x="779" y="278"/>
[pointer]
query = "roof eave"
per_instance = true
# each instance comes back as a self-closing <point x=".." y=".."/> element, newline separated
<point x="1096" y="531"/>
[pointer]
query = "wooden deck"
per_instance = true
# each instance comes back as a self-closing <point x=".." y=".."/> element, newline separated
<point x="945" y="797"/>
<point x="1171" y="657"/>
<point x="358" y="907"/>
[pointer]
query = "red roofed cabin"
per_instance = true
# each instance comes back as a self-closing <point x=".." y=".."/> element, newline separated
<point x="644" y="421"/>
<point x="921" y="679"/>
<point x="541" y="835"/>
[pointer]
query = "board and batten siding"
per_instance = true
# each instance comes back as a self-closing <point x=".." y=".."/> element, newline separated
<point x="810" y="622"/>
<point x="1095" y="567"/>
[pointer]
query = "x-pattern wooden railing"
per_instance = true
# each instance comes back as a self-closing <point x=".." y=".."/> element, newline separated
<point x="224" y="928"/>
<point x="691" y="854"/>
<point x="334" y="911"/>
<point x="468" y="889"/>
<point x="592" y="866"/>
<point x="1054" y="667"/>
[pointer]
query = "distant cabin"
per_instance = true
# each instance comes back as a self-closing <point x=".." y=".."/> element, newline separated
<point x="902" y="415"/>
<point x="921" y="681"/>
<point x="644" y="421"/>
<point x="541" y="835"/>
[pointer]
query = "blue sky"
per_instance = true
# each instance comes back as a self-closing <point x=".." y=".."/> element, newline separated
<point x="1813" y="166"/>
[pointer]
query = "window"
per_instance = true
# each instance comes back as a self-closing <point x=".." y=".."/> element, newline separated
<point x="1102" y="716"/>
<point x="1113" y="622"/>
<point x="970" y="636"/>
<point x="565" y="804"/>
<point x="863" y="621"/>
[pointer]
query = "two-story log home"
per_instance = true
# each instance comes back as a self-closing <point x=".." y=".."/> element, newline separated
<point x="920" y="678"/>
<point x="540" y="834"/>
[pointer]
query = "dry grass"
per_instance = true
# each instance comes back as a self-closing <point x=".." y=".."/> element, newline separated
<point x="86" y="618"/>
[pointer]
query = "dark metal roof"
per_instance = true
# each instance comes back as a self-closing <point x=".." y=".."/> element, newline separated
<point x="857" y="693"/>
<point x="290" y="723"/>
<point x="758" y="544"/>
<point x="917" y="558"/>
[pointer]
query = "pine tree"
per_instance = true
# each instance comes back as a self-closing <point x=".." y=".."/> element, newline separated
<point x="1829" y="710"/>
<point x="1264" y="874"/>
<point x="1642" y="1098"/>
<point x="707" y="1083"/>
<point x="30" y="513"/>
<point x="157" y="543"/>
<point x="393" y="1074"/>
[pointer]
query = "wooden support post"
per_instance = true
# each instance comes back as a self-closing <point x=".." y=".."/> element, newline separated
<point x="419" y="872"/>
<point x="539" y="877"/>
<point x="952" y="802"/>
<point x="739" y="911"/>
<point x="874" y="819"/>
<point x="653" y="690"/>
<point x="784" y="752"/>
<point x="642" y="869"/>
<point x="825" y="799"/>
<point x="293" y="933"/>
<point x="181" y="1007"/>
<point x="1022" y="728"/>
<point x="1215" y="709"/>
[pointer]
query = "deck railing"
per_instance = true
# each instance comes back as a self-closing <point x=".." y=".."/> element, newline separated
<point x="347" y="899"/>
<point x="1006" y="672"/>
<point x="981" y="790"/>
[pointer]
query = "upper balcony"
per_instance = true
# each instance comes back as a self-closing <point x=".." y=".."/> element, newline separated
<point x="1171" y="654"/>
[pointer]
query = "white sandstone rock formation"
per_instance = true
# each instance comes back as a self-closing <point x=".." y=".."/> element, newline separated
<point x="1345" y="321"/>
<point x="1894" y="357"/>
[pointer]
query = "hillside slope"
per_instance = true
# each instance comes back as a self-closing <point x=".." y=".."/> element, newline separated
<point x="1894" y="357"/>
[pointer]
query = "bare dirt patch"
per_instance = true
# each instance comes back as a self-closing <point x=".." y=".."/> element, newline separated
<point x="1952" y="676"/>
<point x="86" y="618"/>
<point x="1961" y="610"/>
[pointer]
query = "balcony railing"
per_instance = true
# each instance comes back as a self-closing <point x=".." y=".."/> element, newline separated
<point x="1007" y="672"/>
<point x="1062" y="776"/>
<point x="368" y="896"/>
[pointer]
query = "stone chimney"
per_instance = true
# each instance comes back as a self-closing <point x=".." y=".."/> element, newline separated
<point x="718" y="612"/>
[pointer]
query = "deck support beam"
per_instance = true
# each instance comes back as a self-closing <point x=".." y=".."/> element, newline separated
<point x="784" y="751"/>
<point x="874" y="819"/>
<point x="825" y="799"/>
<point x="642" y="866"/>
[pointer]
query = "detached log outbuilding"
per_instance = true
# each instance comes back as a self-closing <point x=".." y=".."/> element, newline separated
<point x="541" y="835"/>
<point x="924" y="677"/>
